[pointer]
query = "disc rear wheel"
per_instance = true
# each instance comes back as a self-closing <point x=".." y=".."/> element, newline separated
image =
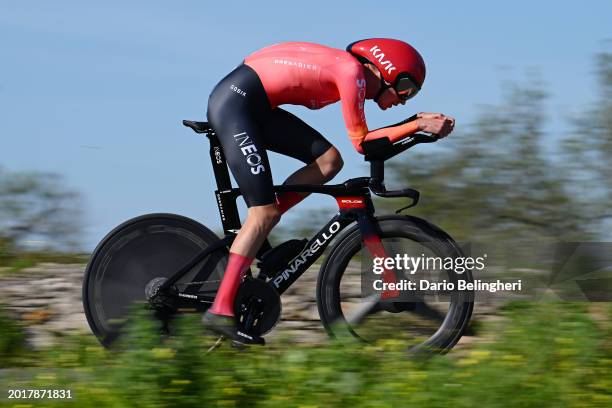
<point x="139" y="255"/>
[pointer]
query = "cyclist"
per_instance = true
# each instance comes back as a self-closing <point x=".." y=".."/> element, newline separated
<point x="244" y="111"/>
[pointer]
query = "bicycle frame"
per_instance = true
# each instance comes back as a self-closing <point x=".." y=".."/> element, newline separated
<point x="190" y="285"/>
<point x="354" y="203"/>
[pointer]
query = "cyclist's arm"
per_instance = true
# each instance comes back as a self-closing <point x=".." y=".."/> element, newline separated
<point x="395" y="132"/>
<point x="351" y="88"/>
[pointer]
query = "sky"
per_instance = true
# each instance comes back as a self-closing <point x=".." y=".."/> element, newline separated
<point x="96" y="91"/>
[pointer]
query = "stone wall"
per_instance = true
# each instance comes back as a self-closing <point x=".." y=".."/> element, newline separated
<point x="48" y="299"/>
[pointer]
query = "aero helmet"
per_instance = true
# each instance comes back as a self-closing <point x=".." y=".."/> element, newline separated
<point x="400" y="65"/>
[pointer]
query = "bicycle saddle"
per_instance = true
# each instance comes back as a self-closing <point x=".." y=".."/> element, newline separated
<point x="198" y="127"/>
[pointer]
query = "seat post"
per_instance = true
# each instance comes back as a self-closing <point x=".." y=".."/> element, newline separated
<point x="219" y="164"/>
<point x="225" y="195"/>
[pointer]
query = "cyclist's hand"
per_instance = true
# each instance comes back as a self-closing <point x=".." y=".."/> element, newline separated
<point x="436" y="123"/>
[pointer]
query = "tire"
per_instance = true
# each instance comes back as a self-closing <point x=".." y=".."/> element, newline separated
<point x="137" y="251"/>
<point x="424" y="326"/>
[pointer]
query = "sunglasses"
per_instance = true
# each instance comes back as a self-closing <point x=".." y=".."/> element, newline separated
<point x="406" y="88"/>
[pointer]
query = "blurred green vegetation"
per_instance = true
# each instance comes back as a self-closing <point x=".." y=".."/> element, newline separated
<point x="18" y="260"/>
<point x="39" y="220"/>
<point x="547" y="354"/>
<point x="12" y="339"/>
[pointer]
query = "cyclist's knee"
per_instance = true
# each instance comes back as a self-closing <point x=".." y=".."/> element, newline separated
<point x="330" y="163"/>
<point x="266" y="216"/>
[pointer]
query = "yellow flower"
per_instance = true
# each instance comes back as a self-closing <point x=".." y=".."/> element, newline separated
<point x="163" y="353"/>
<point x="567" y="352"/>
<point x="48" y="377"/>
<point x="231" y="390"/>
<point x="467" y="362"/>
<point x="180" y="382"/>
<point x="515" y="358"/>
<point x="480" y="354"/>
<point x="417" y="375"/>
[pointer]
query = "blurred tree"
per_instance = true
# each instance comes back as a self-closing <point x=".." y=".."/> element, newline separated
<point x="587" y="151"/>
<point x="496" y="180"/>
<point x="37" y="211"/>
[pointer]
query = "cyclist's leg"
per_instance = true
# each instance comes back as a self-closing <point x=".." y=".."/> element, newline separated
<point x="235" y="106"/>
<point x="288" y="135"/>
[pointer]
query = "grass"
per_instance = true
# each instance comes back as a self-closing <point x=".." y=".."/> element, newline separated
<point x="12" y="263"/>
<point x="547" y="354"/>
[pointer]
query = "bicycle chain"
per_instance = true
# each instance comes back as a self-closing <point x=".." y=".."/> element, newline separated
<point x="199" y="283"/>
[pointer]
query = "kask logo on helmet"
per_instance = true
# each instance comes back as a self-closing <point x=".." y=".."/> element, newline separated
<point x="394" y="59"/>
<point x="380" y="56"/>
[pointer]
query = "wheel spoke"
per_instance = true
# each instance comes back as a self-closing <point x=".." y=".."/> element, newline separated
<point x="423" y="310"/>
<point x="417" y="320"/>
<point x="368" y="306"/>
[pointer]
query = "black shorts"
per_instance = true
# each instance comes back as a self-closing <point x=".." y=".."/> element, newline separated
<point x="246" y="125"/>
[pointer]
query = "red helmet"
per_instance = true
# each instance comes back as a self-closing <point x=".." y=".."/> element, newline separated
<point x="398" y="62"/>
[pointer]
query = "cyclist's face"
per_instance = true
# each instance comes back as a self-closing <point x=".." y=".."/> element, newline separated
<point x="390" y="98"/>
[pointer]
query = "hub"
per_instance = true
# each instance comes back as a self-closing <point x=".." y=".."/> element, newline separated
<point x="160" y="301"/>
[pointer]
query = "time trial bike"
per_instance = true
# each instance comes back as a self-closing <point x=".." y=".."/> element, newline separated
<point x="172" y="264"/>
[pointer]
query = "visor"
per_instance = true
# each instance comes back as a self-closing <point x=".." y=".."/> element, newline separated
<point x="406" y="88"/>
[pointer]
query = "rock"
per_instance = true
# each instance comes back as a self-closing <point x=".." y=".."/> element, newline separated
<point x="29" y="303"/>
<point x="38" y="316"/>
<point x="38" y="337"/>
<point x="75" y="322"/>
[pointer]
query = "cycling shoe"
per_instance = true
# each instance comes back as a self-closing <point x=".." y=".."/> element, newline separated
<point x="226" y="326"/>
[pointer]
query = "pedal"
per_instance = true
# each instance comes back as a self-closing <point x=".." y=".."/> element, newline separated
<point x="248" y="341"/>
<point x="237" y="345"/>
<point x="279" y="256"/>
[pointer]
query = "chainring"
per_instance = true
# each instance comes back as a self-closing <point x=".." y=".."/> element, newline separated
<point x="257" y="306"/>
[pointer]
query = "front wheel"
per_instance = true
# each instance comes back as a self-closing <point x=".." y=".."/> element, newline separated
<point x="139" y="253"/>
<point x="431" y="322"/>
